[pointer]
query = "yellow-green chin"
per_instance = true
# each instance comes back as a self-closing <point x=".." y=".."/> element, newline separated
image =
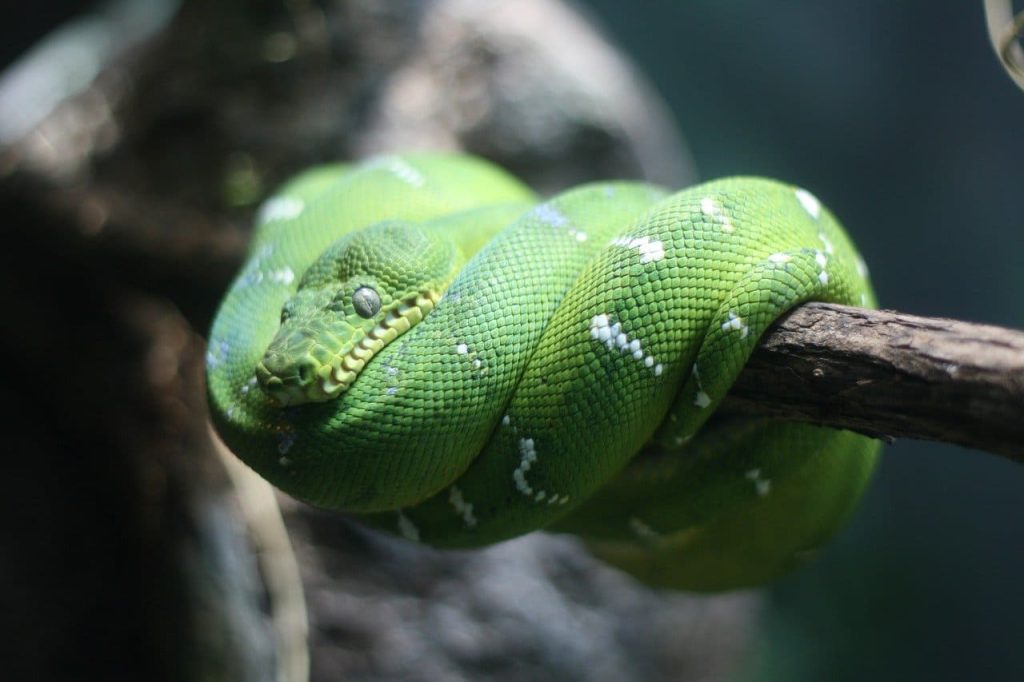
<point x="334" y="378"/>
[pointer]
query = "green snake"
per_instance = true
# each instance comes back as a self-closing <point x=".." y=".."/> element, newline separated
<point x="422" y="342"/>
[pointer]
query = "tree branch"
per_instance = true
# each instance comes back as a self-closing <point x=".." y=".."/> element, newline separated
<point x="890" y="375"/>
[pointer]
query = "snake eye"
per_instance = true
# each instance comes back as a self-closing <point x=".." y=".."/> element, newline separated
<point x="366" y="302"/>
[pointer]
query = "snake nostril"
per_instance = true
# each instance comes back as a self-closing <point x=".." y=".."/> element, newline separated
<point x="306" y="372"/>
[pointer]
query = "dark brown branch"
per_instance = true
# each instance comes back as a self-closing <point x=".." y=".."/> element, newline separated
<point x="891" y="375"/>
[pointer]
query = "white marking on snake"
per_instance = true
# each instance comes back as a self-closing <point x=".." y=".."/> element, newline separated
<point x="284" y="461"/>
<point x="702" y="399"/>
<point x="763" y="486"/>
<point x="863" y="299"/>
<point x="734" y="322"/>
<point x="711" y="209"/>
<point x="462" y="349"/>
<point x="862" y="267"/>
<point x="462" y="508"/>
<point x="254" y="275"/>
<point x="780" y="258"/>
<point x="285" y="441"/>
<point x="650" y="250"/>
<point x="505" y="420"/>
<point x="826" y="242"/>
<point x="612" y="336"/>
<point x="547" y="213"/>
<point x="809" y="202"/>
<point x="216" y="353"/>
<point x="406" y="527"/>
<point x="527" y="455"/>
<point x="822" y="261"/>
<point x="404" y="172"/>
<point x="392" y="390"/>
<point x="642" y="530"/>
<point x="282" y="276"/>
<point x="280" y="208"/>
<point x="580" y="235"/>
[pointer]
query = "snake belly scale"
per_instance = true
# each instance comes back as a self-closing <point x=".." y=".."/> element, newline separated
<point x="420" y="341"/>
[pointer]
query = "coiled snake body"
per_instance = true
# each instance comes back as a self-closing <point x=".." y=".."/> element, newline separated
<point x="418" y="341"/>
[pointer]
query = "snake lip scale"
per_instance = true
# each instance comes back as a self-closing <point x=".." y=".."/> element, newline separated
<point x="420" y="341"/>
<point x="295" y="383"/>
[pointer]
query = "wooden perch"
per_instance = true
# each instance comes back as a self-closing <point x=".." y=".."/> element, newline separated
<point x="890" y="375"/>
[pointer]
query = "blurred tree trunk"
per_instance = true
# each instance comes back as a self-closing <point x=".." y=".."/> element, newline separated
<point x="134" y="147"/>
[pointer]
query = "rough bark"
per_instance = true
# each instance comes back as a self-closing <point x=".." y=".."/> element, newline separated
<point x="891" y="375"/>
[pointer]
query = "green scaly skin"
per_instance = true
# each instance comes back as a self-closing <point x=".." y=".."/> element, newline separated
<point x="504" y="362"/>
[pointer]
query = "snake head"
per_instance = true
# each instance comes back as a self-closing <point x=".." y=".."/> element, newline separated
<point x="367" y="289"/>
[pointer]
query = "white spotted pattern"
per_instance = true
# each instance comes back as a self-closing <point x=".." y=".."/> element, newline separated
<point x="280" y="208"/>
<point x="462" y="508"/>
<point x="216" y="353"/>
<point x="642" y="530"/>
<point x="702" y="399"/>
<point x="763" y="486"/>
<point x="734" y="322"/>
<point x="862" y="267"/>
<point x="282" y="276"/>
<point x="822" y="261"/>
<point x="406" y="527"/>
<point x="552" y="216"/>
<point x="650" y="250"/>
<point x="404" y="172"/>
<point x="612" y="336"/>
<point x="825" y="240"/>
<point x="809" y="202"/>
<point x="527" y="456"/>
<point x="711" y="209"/>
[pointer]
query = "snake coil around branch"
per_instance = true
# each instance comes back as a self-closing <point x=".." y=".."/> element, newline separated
<point x="420" y="341"/>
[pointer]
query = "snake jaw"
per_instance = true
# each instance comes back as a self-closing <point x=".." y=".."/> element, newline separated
<point x="398" y="320"/>
<point x="294" y="382"/>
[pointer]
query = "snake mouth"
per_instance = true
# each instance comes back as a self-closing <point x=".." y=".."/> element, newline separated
<point x="308" y="379"/>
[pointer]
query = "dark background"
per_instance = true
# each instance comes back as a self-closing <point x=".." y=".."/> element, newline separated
<point x="900" y="118"/>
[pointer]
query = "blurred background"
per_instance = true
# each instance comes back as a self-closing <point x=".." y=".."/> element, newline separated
<point x="897" y="115"/>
